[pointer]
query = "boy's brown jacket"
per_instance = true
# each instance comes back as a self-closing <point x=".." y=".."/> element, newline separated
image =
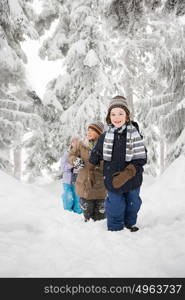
<point x="84" y="188"/>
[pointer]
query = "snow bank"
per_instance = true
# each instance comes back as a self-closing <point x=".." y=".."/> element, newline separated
<point x="39" y="239"/>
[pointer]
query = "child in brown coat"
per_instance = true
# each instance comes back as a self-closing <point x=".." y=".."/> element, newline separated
<point x="89" y="184"/>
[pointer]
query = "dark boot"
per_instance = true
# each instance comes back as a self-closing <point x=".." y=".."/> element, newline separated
<point x="87" y="207"/>
<point x="132" y="228"/>
<point x="99" y="209"/>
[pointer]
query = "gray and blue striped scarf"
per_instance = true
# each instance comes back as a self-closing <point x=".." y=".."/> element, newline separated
<point x="135" y="148"/>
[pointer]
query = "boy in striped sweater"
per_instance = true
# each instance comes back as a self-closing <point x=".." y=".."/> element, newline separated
<point x="124" y="154"/>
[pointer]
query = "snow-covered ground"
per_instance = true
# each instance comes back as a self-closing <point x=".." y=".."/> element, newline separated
<point x="39" y="239"/>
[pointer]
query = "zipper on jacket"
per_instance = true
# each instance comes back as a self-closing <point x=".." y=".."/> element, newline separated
<point x="119" y="147"/>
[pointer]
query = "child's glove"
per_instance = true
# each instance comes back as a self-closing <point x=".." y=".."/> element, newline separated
<point x="120" y="178"/>
<point x="78" y="163"/>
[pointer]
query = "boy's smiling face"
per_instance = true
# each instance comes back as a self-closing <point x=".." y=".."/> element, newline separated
<point x="118" y="117"/>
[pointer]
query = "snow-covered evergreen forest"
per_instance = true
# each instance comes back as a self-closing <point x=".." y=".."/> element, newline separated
<point x="61" y="61"/>
<point x="101" y="48"/>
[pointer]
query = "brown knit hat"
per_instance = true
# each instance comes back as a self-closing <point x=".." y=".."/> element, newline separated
<point x="118" y="101"/>
<point x="97" y="126"/>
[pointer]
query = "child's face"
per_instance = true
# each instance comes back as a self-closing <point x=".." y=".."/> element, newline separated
<point x="91" y="134"/>
<point x="118" y="117"/>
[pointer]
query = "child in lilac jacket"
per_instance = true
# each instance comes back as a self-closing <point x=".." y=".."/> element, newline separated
<point x="69" y="196"/>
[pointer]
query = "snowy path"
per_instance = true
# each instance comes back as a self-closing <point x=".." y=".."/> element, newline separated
<point x="39" y="239"/>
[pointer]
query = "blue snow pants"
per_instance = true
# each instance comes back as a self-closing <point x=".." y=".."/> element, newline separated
<point x="70" y="198"/>
<point x="122" y="209"/>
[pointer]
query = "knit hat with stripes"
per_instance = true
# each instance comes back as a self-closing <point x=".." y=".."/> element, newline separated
<point x="118" y="101"/>
<point x="97" y="126"/>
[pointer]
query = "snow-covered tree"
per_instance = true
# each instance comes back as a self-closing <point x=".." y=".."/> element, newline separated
<point x="40" y="144"/>
<point x="17" y="117"/>
<point x="50" y="12"/>
<point x="165" y="112"/>
<point x="16" y="110"/>
<point x="81" y="91"/>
